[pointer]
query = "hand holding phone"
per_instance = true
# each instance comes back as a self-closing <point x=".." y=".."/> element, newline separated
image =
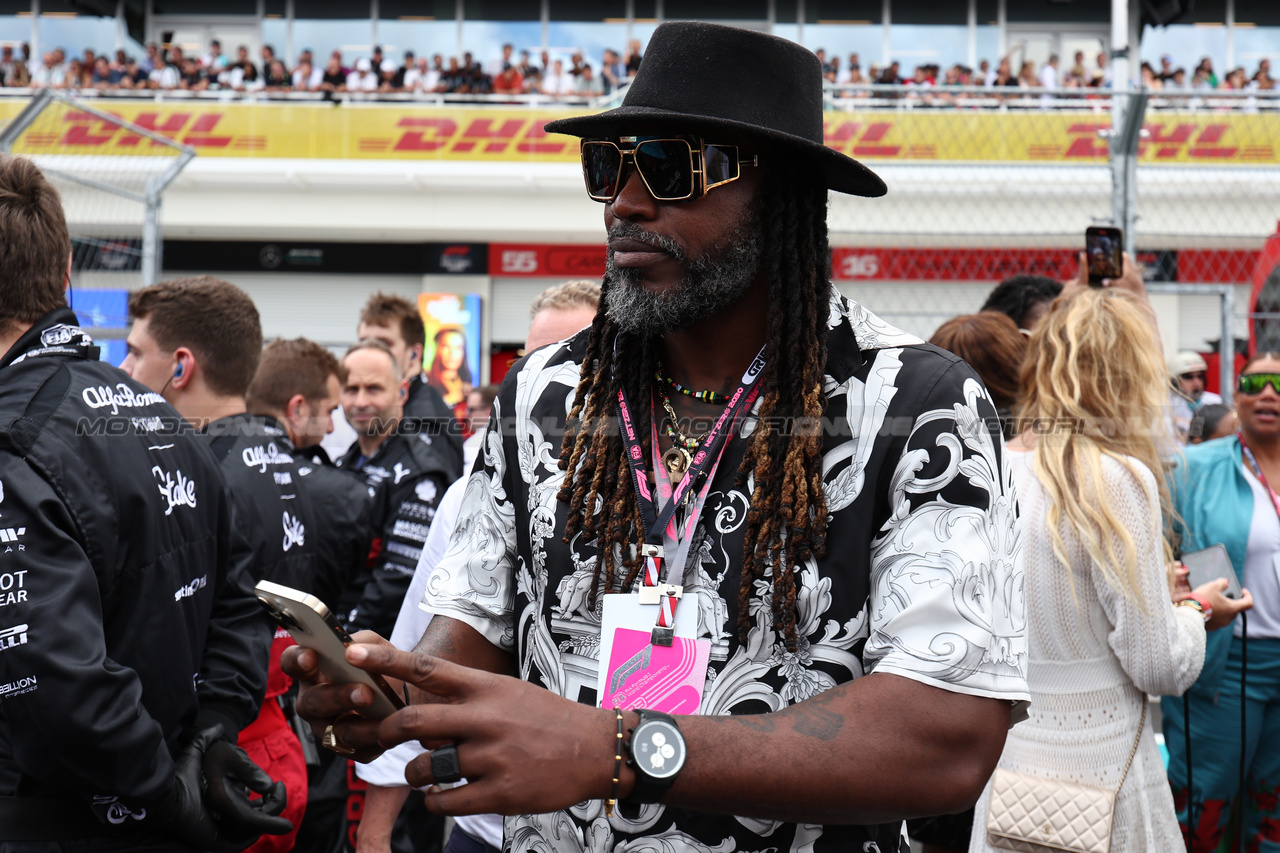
<point x="1104" y="248"/>
<point x="313" y="626"/>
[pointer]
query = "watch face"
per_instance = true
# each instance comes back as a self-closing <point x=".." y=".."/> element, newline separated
<point x="658" y="749"/>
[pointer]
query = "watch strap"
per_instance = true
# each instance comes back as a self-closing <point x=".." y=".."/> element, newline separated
<point x="648" y="789"/>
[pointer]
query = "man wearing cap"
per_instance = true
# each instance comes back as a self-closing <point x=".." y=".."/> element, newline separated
<point x="1188" y="371"/>
<point x="737" y="560"/>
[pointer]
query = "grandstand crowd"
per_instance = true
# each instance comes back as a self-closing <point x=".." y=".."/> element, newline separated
<point x="522" y="73"/>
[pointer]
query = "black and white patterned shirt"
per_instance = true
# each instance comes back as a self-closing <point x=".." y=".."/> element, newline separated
<point x="918" y="579"/>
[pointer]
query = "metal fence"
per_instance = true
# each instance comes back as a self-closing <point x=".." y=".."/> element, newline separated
<point x="112" y="201"/>
<point x="986" y="185"/>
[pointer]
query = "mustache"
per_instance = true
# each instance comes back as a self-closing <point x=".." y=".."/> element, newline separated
<point x="631" y="231"/>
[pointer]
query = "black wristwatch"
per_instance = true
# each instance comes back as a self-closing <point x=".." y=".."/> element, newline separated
<point x="657" y="752"/>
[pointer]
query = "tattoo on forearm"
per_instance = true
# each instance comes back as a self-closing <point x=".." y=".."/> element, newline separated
<point x="757" y="722"/>
<point x="817" y="721"/>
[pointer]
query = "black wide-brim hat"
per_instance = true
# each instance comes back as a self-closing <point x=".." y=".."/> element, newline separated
<point x="699" y="77"/>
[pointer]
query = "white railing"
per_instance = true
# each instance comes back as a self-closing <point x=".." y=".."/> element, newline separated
<point x="1009" y="98"/>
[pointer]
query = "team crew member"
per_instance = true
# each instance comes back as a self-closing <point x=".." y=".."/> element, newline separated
<point x="741" y="531"/>
<point x="197" y="342"/>
<point x="397" y="323"/>
<point x="299" y="383"/>
<point x="405" y="476"/>
<point x="130" y="644"/>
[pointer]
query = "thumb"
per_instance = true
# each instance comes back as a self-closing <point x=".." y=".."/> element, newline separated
<point x="1219" y="584"/>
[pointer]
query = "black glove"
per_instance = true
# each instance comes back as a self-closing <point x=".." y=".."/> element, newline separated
<point x="230" y="774"/>
<point x="183" y="813"/>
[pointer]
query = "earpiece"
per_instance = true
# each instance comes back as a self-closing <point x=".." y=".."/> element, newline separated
<point x="177" y="371"/>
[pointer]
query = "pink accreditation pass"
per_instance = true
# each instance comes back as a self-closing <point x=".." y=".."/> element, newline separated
<point x="636" y="673"/>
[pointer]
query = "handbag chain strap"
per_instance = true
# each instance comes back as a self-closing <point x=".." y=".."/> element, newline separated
<point x="1141" y="724"/>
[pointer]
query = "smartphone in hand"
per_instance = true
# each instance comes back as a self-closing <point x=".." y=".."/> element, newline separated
<point x="313" y="626"/>
<point x="1104" y="250"/>
<point x="1209" y="564"/>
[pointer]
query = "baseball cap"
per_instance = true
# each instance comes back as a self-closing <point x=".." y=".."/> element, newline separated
<point x="1186" y="362"/>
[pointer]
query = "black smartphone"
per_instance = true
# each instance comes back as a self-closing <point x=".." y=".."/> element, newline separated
<point x="1209" y="564"/>
<point x="313" y="626"/>
<point x="1104" y="248"/>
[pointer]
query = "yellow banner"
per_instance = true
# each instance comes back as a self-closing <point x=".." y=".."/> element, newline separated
<point x="408" y="132"/>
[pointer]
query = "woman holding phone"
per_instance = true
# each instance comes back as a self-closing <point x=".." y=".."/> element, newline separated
<point x="1102" y="629"/>
<point x="1224" y="493"/>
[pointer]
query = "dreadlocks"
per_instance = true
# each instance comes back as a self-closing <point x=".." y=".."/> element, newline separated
<point x="787" y="522"/>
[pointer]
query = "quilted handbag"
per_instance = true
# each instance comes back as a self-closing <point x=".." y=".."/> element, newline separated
<point x="1033" y="815"/>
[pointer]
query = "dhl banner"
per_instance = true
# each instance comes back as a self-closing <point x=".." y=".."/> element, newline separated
<point x="407" y="132"/>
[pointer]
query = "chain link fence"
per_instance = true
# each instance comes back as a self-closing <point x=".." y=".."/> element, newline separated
<point x="985" y="185"/>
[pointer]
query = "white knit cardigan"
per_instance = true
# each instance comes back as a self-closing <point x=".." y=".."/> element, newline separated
<point x="1091" y="667"/>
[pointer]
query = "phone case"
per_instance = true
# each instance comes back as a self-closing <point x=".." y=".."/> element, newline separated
<point x="311" y="624"/>
<point x="1209" y="564"/>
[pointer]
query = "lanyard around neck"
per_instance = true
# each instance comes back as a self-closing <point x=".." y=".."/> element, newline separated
<point x="655" y="521"/>
<point x="1257" y="472"/>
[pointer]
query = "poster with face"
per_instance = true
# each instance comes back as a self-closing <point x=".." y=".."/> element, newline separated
<point x="451" y="357"/>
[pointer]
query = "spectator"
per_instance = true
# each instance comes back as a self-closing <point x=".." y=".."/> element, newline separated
<point x="1179" y="79"/>
<point x="241" y="74"/>
<point x="588" y="85"/>
<point x="1201" y="81"/>
<point x="508" y="82"/>
<point x="1235" y="79"/>
<point x="193" y="76"/>
<point x="1102" y="630"/>
<point x="612" y="71"/>
<point x="166" y="75"/>
<point x="103" y="76"/>
<point x="557" y="82"/>
<point x="632" y="58"/>
<point x="468" y="63"/>
<point x="986" y="75"/>
<point x="151" y="61"/>
<point x="1102" y="77"/>
<point x="307" y="57"/>
<point x="387" y="76"/>
<point x="13" y="72"/>
<point x="1077" y="67"/>
<point x="362" y="79"/>
<point x="1049" y="73"/>
<point x="215" y="61"/>
<point x="277" y="78"/>
<point x="496" y="66"/>
<point x="891" y="76"/>
<point x="1187" y="372"/>
<point x="528" y="71"/>
<point x="415" y="77"/>
<point x="1210" y="422"/>
<point x="1166" y="69"/>
<point x="1024" y="299"/>
<point x="1224" y="494"/>
<point x="305" y="78"/>
<point x="51" y="74"/>
<point x="1150" y="80"/>
<point x="133" y="77"/>
<point x="1004" y="75"/>
<point x="398" y="82"/>
<point x="1206" y="66"/>
<point x="333" y="79"/>
<point x="992" y="345"/>
<point x="268" y="57"/>
<point x="1263" y="76"/>
<point x="120" y="61"/>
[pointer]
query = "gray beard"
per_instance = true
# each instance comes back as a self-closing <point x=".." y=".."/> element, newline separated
<point x="710" y="284"/>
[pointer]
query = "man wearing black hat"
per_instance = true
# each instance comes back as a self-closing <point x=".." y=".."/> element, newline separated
<point x="748" y="550"/>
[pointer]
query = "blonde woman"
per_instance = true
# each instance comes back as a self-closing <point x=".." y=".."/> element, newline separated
<point x="1102" y="630"/>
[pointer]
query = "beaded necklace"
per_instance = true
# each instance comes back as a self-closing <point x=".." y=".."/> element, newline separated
<point x="705" y="396"/>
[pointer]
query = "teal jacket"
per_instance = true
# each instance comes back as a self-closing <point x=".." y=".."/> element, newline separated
<point x="1214" y="505"/>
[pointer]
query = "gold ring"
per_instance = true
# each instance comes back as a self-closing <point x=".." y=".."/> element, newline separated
<point x="330" y="742"/>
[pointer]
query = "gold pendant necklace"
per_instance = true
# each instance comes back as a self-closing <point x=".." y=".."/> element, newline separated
<point x="677" y="459"/>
